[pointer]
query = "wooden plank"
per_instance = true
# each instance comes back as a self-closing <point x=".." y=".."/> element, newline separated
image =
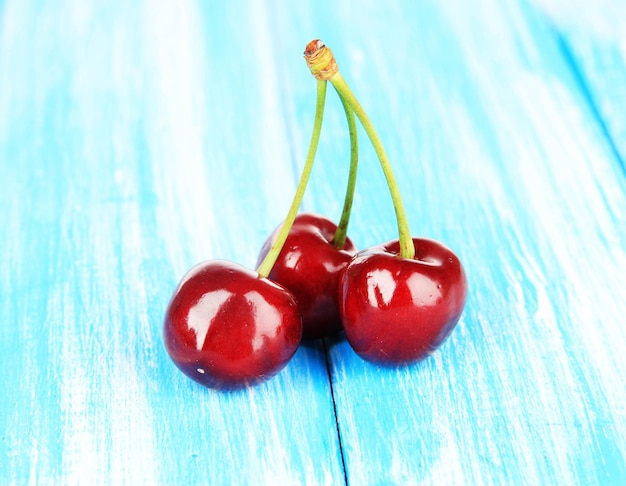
<point x="499" y="156"/>
<point x="135" y="141"/>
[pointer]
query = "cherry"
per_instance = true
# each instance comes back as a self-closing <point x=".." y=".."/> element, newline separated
<point x="309" y="265"/>
<point x="398" y="301"/>
<point x="397" y="311"/>
<point x="226" y="327"/>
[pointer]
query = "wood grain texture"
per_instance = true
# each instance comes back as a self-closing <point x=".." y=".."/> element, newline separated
<point x="139" y="139"/>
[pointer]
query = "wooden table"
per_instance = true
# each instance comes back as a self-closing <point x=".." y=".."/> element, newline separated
<point x="139" y="138"/>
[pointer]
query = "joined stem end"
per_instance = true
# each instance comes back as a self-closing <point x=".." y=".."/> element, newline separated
<point x="320" y="60"/>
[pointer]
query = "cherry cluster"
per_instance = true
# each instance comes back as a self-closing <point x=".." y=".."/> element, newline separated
<point x="227" y="326"/>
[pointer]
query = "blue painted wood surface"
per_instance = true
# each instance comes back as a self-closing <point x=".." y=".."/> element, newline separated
<point x="139" y="138"/>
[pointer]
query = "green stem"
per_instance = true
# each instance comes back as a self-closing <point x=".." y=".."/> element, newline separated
<point x="339" y="240"/>
<point x="407" y="250"/>
<point x="266" y="265"/>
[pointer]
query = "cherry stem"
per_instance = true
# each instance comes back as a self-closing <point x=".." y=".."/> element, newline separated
<point x="407" y="249"/>
<point x="339" y="240"/>
<point x="266" y="265"/>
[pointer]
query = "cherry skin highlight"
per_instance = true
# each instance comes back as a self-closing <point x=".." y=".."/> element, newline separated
<point x="225" y="327"/>
<point x="398" y="311"/>
<point x="310" y="266"/>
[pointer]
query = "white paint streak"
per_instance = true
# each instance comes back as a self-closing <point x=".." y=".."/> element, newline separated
<point x="173" y="45"/>
<point x="604" y="20"/>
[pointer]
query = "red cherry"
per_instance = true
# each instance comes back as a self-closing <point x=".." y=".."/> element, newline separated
<point x="226" y="327"/>
<point x="310" y="266"/>
<point x="397" y="311"/>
